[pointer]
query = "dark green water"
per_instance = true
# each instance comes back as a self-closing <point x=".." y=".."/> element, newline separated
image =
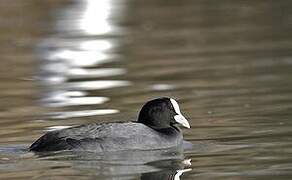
<point x="228" y="63"/>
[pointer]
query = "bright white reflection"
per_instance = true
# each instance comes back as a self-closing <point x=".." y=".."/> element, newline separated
<point x="72" y="98"/>
<point x="97" y="85"/>
<point x="87" y="39"/>
<point x="77" y="101"/>
<point x="54" y="128"/>
<point x="80" y="58"/>
<point x="180" y="172"/>
<point x="92" y="17"/>
<point x="162" y="87"/>
<point x="185" y="162"/>
<point x="53" y="80"/>
<point x="75" y="93"/>
<point x="87" y="100"/>
<point x="58" y="96"/>
<point x="52" y="75"/>
<point x="73" y="114"/>
<point x="97" y="45"/>
<point x="96" y="16"/>
<point x="100" y="72"/>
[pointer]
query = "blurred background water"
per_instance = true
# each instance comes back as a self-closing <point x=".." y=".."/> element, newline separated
<point x="69" y="62"/>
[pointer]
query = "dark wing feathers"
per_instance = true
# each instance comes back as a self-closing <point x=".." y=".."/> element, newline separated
<point x="79" y="137"/>
<point x="49" y="142"/>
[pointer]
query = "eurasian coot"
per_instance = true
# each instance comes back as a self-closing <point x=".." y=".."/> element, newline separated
<point x="155" y="129"/>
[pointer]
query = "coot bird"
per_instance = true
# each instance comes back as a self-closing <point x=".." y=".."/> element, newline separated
<point x="155" y="129"/>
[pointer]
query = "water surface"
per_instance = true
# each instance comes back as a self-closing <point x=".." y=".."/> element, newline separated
<point x="228" y="63"/>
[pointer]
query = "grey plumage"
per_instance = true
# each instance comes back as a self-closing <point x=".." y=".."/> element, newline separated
<point x="109" y="137"/>
<point x="155" y="129"/>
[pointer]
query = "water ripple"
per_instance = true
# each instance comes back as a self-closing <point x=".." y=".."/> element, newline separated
<point x="84" y="113"/>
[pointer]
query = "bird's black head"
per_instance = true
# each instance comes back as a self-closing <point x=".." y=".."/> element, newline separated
<point x="162" y="113"/>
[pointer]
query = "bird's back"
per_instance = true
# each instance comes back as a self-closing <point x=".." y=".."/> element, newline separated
<point x="108" y="137"/>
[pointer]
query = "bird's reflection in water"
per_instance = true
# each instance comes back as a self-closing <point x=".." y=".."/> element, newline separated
<point x="156" y="164"/>
<point x="170" y="170"/>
